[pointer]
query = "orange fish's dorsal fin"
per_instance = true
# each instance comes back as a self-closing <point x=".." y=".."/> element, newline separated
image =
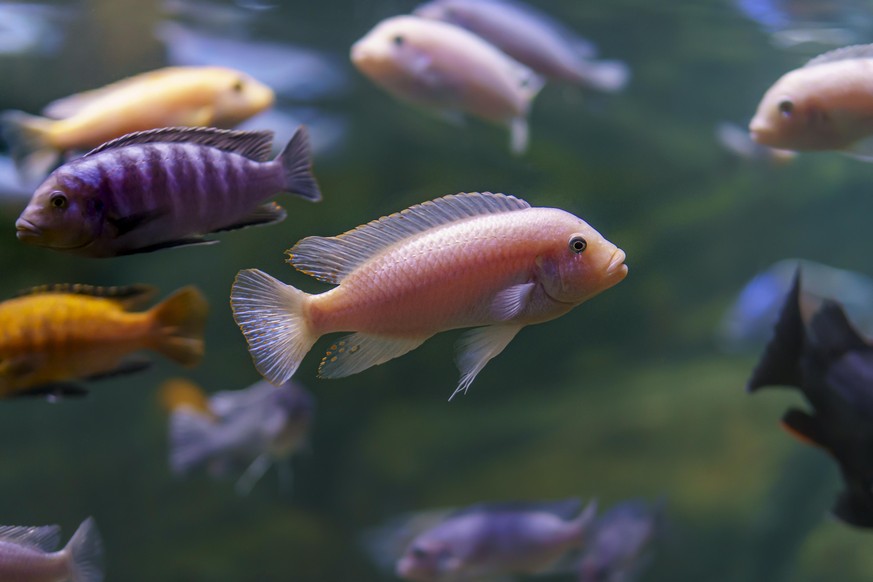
<point x="846" y="53"/>
<point x="255" y="145"/>
<point x="331" y="259"/>
<point x="178" y="392"/>
<point x="129" y="296"/>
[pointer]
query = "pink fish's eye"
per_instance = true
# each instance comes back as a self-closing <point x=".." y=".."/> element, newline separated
<point x="786" y="107"/>
<point x="58" y="200"/>
<point x="578" y="244"/>
<point x="398" y="40"/>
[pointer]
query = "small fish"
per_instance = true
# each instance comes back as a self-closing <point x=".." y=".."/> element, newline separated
<point x="489" y="540"/>
<point x="172" y="96"/>
<point x="252" y="428"/>
<point x="165" y="188"/>
<point x="28" y="554"/>
<point x="824" y="105"/>
<point x="533" y="38"/>
<point x="737" y="141"/>
<point x="617" y="550"/>
<point x="53" y="335"/>
<point x="450" y="70"/>
<point x="831" y="364"/>
<point x="477" y="259"/>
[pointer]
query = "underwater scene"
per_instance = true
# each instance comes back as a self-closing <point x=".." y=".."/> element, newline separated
<point x="257" y="254"/>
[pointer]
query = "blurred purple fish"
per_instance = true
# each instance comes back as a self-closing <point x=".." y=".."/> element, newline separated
<point x="618" y="550"/>
<point x="242" y="429"/>
<point x="28" y="554"/>
<point x="164" y="188"/>
<point x="495" y="539"/>
<point x="532" y="38"/>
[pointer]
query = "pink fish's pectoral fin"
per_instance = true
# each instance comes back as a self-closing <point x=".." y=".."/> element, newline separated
<point x="476" y="349"/>
<point x="512" y="301"/>
<point x="359" y="351"/>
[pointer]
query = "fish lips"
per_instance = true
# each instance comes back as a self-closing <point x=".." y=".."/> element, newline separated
<point x="26" y="230"/>
<point x="617" y="269"/>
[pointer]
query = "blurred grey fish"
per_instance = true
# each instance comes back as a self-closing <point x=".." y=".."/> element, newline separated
<point x="490" y="540"/>
<point x="294" y="72"/>
<point x="241" y="429"/>
<point x="748" y="323"/>
<point x="533" y="38"/>
<point x="27" y="554"/>
<point x="11" y="189"/>
<point x="737" y="141"/>
<point x="163" y="188"/>
<point x="32" y="28"/>
<point x="327" y="129"/>
<point x="797" y="22"/>
<point x="622" y="535"/>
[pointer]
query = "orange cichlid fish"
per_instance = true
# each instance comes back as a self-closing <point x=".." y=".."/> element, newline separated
<point x="54" y="335"/>
<point x="465" y="260"/>
<point x="825" y="105"/>
<point x="172" y="96"/>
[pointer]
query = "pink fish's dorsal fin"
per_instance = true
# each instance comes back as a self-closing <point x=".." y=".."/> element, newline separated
<point x="846" y="53"/>
<point x="129" y="296"/>
<point x="331" y="259"/>
<point x="255" y="145"/>
<point x="45" y="538"/>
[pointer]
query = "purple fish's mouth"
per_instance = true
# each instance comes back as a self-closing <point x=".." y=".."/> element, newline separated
<point x="25" y="229"/>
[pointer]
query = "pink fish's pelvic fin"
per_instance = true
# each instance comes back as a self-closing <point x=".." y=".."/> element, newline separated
<point x="477" y="347"/>
<point x="359" y="351"/>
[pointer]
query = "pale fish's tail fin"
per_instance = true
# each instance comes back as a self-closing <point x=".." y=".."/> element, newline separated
<point x="28" y="140"/>
<point x="271" y="317"/>
<point x="84" y="553"/>
<point x="606" y="76"/>
<point x="296" y="161"/>
<point x="180" y="320"/>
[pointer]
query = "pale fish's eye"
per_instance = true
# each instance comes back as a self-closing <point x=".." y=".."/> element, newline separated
<point x="578" y="244"/>
<point x="786" y="107"/>
<point x="398" y="40"/>
<point x="238" y="86"/>
<point x="58" y="200"/>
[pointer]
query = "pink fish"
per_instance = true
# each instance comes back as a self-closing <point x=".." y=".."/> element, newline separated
<point x="466" y="260"/>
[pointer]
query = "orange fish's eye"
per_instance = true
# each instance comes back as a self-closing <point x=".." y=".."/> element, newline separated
<point x="786" y="107"/>
<point x="58" y="200"/>
<point x="398" y="40"/>
<point x="578" y="244"/>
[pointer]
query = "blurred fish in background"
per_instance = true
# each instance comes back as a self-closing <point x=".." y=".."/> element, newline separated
<point x="229" y="431"/>
<point x="485" y="541"/>
<point x="56" y="335"/>
<point x="794" y="23"/>
<point x="28" y="554"/>
<point x="532" y="38"/>
<point x="736" y="140"/>
<point x="831" y="365"/>
<point x="32" y="28"/>
<point x="450" y="71"/>
<point x="12" y="191"/>
<point x="748" y="323"/>
<point x="172" y="96"/>
<point x="620" y="544"/>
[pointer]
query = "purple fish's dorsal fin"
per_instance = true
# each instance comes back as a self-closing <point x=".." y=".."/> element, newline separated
<point x="846" y="53"/>
<point x="255" y="145"/>
<point x="43" y="538"/>
<point x="129" y="296"/>
<point x="564" y="508"/>
<point x="331" y="259"/>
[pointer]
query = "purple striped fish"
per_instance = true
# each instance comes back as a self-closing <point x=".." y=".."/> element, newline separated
<point x="163" y="188"/>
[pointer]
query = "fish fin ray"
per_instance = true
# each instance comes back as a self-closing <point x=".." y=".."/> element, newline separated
<point x="512" y="301"/>
<point x="255" y="145"/>
<point x="270" y="213"/>
<point x="272" y="319"/>
<point x="129" y="296"/>
<point x="359" y="351"/>
<point x="477" y="347"/>
<point x="331" y="259"/>
<point x="85" y="549"/>
<point x="181" y="319"/>
<point x="45" y="538"/>
<point x="857" y="51"/>
<point x="296" y="160"/>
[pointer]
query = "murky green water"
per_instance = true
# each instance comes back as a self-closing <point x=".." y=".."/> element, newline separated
<point x="627" y="396"/>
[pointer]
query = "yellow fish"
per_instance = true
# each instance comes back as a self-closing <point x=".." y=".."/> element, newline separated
<point x="177" y="393"/>
<point x="172" y="96"/>
<point x="53" y="335"/>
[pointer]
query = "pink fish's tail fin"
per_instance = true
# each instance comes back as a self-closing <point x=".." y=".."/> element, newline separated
<point x="85" y="553"/>
<point x="180" y="320"/>
<point x="271" y="317"/>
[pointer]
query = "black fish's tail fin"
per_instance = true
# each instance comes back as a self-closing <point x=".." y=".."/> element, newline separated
<point x="833" y="333"/>
<point x="296" y="161"/>
<point x="780" y="364"/>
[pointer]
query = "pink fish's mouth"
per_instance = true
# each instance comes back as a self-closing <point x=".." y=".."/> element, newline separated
<point x="25" y="229"/>
<point x="617" y="269"/>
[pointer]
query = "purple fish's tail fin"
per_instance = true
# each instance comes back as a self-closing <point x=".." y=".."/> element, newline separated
<point x="84" y="553"/>
<point x="296" y="161"/>
<point x="607" y="76"/>
<point x="272" y="318"/>
<point x="180" y="320"/>
<point x="189" y="437"/>
<point x="27" y="136"/>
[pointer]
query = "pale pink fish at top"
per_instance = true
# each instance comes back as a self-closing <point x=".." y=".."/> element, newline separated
<point x="465" y="260"/>
<point x="450" y="70"/>
<point x="27" y="554"/>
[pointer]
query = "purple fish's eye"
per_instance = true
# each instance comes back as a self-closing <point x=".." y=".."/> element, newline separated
<point x="786" y="107"/>
<point x="578" y="244"/>
<point x="419" y="553"/>
<point x="398" y="40"/>
<point x="58" y="200"/>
